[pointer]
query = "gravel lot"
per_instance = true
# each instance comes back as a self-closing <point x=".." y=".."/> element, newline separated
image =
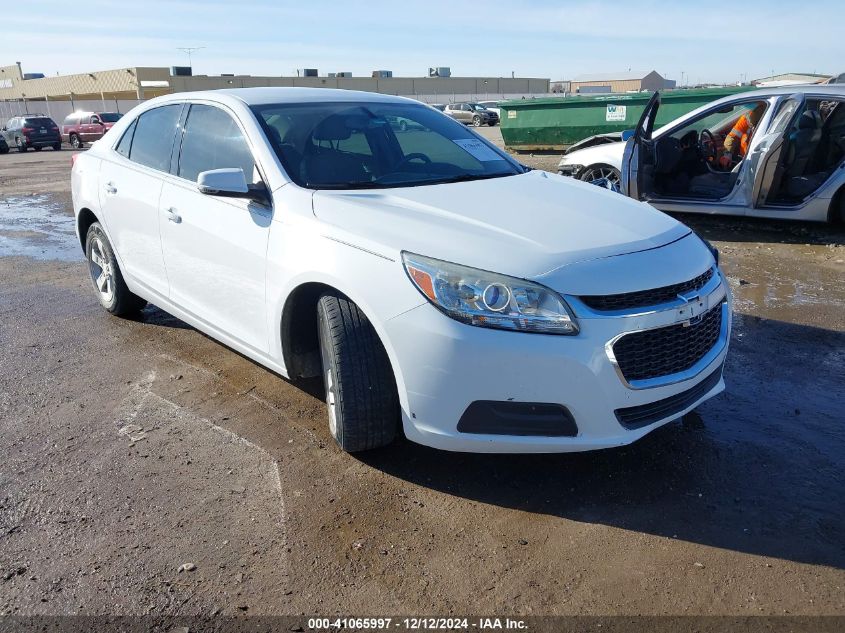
<point x="146" y="469"/>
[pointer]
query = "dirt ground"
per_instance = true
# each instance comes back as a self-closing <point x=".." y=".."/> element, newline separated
<point x="146" y="469"/>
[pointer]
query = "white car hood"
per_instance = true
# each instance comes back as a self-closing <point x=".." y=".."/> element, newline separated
<point x="524" y="225"/>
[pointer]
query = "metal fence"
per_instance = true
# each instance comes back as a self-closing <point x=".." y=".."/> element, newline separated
<point x="58" y="110"/>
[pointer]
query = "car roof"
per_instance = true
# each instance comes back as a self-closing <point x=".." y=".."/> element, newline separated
<point x="264" y="96"/>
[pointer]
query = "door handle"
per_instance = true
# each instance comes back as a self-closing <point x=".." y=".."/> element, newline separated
<point x="173" y="216"/>
<point x="110" y="188"/>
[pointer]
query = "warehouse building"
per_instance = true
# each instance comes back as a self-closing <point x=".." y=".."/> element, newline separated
<point x="122" y="88"/>
<point x="620" y="82"/>
<point x="790" y="79"/>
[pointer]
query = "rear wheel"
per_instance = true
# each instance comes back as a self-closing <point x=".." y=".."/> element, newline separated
<point x="57" y="147"/>
<point x="109" y="285"/>
<point x="75" y="141"/>
<point x="476" y="121"/>
<point x="4" y="149"/>
<point x="20" y="145"/>
<point x="37" y="148"/>
<point x="361" y="396"/>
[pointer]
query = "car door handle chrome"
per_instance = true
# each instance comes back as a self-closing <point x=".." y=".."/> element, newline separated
<point x="110" y="188"/>
<point x="173" y="216"/>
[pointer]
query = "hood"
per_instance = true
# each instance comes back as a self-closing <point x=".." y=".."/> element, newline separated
<point x="524" y="225"/>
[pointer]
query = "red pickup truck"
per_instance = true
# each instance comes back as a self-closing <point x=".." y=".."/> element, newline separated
<point x="79" y="128"/>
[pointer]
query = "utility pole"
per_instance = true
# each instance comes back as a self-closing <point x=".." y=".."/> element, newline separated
<point x="188" y="50"/>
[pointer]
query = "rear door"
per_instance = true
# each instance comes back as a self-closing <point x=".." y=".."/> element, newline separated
<point x="215" y="247"/>
<point x="766" y="160"/>
<point x="131" y="178"/>
<point x="638" y="158"/>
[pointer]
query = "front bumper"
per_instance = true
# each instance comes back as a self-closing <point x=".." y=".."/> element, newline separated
<point x="444" y="366"/>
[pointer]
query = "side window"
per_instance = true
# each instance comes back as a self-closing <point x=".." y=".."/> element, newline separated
<point x="152" y="141"/>
<point x="213" y="140"/>
<point x="125" y="143"/>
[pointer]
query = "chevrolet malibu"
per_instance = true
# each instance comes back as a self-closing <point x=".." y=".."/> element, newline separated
<point x="441" y="289"/>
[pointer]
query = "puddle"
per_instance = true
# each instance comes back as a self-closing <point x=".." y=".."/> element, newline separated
<point x="37" y="227"/>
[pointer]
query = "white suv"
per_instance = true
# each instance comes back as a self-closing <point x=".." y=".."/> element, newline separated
<point x="441" y="289"/>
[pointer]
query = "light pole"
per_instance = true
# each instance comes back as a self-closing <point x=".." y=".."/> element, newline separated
<point x="188" y="50"/>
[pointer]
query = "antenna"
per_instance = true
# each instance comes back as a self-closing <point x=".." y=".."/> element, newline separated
<point x="188" y="50"/>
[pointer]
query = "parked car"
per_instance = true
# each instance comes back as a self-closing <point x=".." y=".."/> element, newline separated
<point x="32" y="130"/>
<point x="471" y="114"/>
<point x="793" y="168"/>
<point x="439" y="106"/>
<point x="492" y="106"/>
<point x="403" y="124"/>
<point x="4" y="146"/>
<point x="80" y="127"/>
<point x="440" y="288"/>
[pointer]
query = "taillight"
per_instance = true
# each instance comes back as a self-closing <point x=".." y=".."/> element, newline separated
<point x="73" y="159"/>
<point x="27" y="130"/>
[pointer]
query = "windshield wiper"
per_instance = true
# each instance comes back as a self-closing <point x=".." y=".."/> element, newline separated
<point x="459" y="178"/>
<point x="356" y="184"/>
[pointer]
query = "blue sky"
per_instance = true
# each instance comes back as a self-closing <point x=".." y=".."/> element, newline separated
<point x="712" y="41"/>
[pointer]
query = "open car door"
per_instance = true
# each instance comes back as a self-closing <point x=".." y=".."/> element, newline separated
<point x="767" y="157"/>
<point x="638" y="159"/>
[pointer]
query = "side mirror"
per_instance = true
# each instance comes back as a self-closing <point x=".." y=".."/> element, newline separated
<point x="230" y="182"/>
<point x="626" y="134"/>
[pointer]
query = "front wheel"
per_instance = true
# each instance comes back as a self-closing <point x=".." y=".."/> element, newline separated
<point x="109" y="285"/>
<point x="361" y="396"/>
<point x="75" y="141"/>
<point x="597" y="172"/>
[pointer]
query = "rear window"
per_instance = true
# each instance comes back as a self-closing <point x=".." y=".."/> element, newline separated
<point x="152" y="142"/>
<point x="41" y="121"/>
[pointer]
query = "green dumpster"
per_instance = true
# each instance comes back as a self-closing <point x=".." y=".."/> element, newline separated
<point x="554" y="123"/>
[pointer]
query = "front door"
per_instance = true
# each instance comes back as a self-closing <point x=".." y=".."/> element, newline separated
<point x="215" y="247"/>
<point x="638" y="158"/>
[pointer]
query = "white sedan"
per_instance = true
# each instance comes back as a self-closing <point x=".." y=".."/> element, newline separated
<point x="441" y="289"/>
<point x="790" y="165"/>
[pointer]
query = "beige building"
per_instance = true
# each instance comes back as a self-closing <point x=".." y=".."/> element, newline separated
<point x="141" y="83"/>
<point x="620" y="82"/>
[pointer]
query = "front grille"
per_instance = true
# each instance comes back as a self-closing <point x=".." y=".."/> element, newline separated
<point x="645" y="414"/>
<point x="643" y="298"/>
<point x="667" y="350"/>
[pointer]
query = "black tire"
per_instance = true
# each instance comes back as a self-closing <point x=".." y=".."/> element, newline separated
<point x="37" y="148"/>
<point x="57" y="147"/>
<point x="360" y="389"/>
<point x="4" y="150"/>
<point x="476" y="121"/>
<point x="121" y="301"/>
<point x="21" y="146"/>
<point x="75" y="141"/>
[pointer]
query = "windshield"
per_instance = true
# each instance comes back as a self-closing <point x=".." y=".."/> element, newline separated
<point x="360" y="145"/>
<point x="477" y="106"/>
<point x="110" y="117"/>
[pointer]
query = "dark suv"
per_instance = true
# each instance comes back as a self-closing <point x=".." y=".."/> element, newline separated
<point x="32" y="130"/>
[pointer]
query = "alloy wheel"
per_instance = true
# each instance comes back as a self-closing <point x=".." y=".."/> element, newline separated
<point x="102" y="271"/>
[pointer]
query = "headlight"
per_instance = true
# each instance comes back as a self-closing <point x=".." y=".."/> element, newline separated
<point x="485" y="299"/>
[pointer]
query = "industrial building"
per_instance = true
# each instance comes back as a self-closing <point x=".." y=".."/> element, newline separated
<point x="790" y="79"/>
<point x="619" y="82"/>
<point x="122" y="88"/>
